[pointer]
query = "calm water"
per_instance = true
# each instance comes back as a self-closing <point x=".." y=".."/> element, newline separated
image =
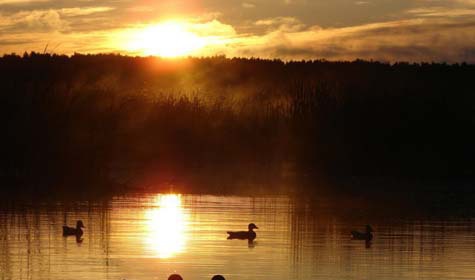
<point x="152" y="236"/>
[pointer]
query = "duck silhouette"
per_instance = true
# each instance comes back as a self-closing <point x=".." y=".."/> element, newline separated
<point x="249" y="235"/>
<point x="74" y="231"/>
<point x="368" y="236"/>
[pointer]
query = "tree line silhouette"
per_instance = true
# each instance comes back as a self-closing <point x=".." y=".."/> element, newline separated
<point x="112" y="119"/>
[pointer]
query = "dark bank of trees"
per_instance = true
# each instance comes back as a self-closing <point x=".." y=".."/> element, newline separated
<point x="114" y="120"/>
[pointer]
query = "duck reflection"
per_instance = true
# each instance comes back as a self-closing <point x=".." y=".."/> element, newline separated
<point x="79" y="239"/>
<point x="166" y="226"/>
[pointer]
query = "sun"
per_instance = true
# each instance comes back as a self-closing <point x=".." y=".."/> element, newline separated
<point x="167" y="39"/>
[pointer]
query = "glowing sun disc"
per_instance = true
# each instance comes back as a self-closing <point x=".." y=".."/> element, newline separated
<point x="168" y="39"/>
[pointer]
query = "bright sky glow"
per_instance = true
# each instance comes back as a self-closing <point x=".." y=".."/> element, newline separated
<point x="168" y="39"/>
<point x="389" y="30"/>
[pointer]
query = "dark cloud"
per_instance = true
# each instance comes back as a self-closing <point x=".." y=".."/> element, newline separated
<point x="410" y="40"/>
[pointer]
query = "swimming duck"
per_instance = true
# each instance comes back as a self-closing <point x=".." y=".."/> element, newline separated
<point x="74" y="231"/>
<point x="250" y="234"/>
<point x="363" y="235"/>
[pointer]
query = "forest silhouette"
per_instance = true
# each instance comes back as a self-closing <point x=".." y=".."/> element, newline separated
<point x="111" y="120"/>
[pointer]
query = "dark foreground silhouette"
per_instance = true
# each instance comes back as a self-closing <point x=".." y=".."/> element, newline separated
<point x="114" y="123"/>
<point x="175" y="277"/>
<point x="178" y="277"/>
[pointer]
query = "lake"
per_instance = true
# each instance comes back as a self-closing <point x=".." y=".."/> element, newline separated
<point x="150" y="236"/>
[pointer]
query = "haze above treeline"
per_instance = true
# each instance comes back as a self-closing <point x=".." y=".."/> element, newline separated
<point x="136" y="122"/>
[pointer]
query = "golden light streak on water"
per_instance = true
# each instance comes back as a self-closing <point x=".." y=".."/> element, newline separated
<point x="166" y="226"/>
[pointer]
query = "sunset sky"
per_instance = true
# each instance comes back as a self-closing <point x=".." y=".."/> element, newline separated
<point x="389" y="30"/>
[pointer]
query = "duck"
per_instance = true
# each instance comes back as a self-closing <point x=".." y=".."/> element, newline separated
<point x="74" y="231"/>
<point x="250" y="234"/>
<point x="368" y="236"/>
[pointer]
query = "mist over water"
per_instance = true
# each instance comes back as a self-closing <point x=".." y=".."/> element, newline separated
<point x="150" y="236"/>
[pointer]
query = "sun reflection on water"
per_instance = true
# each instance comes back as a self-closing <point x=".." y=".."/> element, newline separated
<point x="167" y="226"/>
